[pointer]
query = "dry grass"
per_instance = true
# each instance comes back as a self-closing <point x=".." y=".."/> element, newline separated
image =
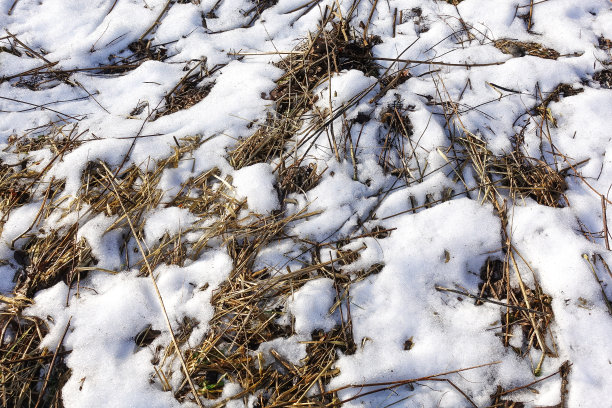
<point x="398" y="153"/>
<point x="259" y="6"/>
<point x="19" y="183"/>
<point x="191" y="89"/>
<point x="604" y="77"/>
<point x="51" y="258"/>
<point x="296" y="178"/>
<point x="185" y="96"/>
<point x="500" y="397"/>
<point x="311" y="64"/>
<point x="495" y="284"/>
<point x="47" y="257"/>
<point x="22" y="362"/>
<point x="520" y="49"/>
<point x="265" y="144"/>
<point x="248" y="305"/>
<point x="505" y="181"/>
<point x="247" y="308"/>
<point x="502" y="181"/>
<point x="243" y="318"/>
<point x="46" y="76"/>
<point x="515" y="177"/>
<point x="514" y="173"/>
<point x="131" y="58"/>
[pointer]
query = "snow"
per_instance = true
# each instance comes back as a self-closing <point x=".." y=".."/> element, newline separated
<point x="103" y="325"/>
<point x="436" y="244"/>
<point x="560" y="264"/>
<point x="310" y="307"/>
<point x="339" y="198"/>
<point x="255" y="183"/>
<point x="291" y="349"/>
<point x="18" y="224"/>
<point x="172" y="221"/>
<point x="401" y="303"/>
<point x="104" y="244"/>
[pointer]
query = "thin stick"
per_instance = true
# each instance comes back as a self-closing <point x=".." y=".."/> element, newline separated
<point x="531" y="383"/>
<point x="448" y="64"/>
<point x="409" y="61"/>
<point x="112" y="7"/>
<point x="461" y="392"/>
<point x="156" y="22"/>
<point x="46" y="356"/>
<point x="605" y="221"/>
<point x="412" y="380"/>
<point x="39" y="106"/>
<point x="585" y="182"/>
<point x="603" y="292"/>
<point x="111" y="178"/>
<point x="10" y="11"/>
<point x="525" y="297"/>
<point x="394" y="21"/>
<point x="484" y="299"/>
<point x="365" y="30"/>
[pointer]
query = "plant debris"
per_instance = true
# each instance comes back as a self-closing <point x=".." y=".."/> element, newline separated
<point x="344" y="152"/>
<point x="604" y="78"/>
<point x="520" y="49"/>
<point x="30" y="376"/>
<point x="312" y="63"/>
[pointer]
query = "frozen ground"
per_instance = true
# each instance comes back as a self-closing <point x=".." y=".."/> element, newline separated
<point x="407" y="198"/>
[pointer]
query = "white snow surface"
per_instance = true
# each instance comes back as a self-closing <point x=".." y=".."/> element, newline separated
<point x="255" y="183"/>
<point x="444" y="245"/>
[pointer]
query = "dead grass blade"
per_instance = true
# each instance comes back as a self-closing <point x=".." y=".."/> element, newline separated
<point x="311" y="64"/>
<point x="159" y="297"/>
<point x="29" y="376"/>
<point x="511" y="178"/>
